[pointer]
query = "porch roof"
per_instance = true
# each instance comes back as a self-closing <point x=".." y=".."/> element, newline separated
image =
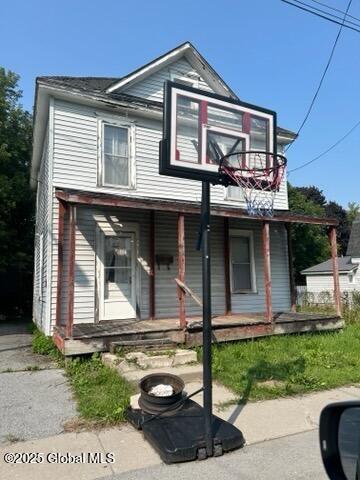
<point x="79" y="197"/>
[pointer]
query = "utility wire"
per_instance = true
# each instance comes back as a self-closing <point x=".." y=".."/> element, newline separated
<point x="335" y="9"/>
<point x="321" y="16"/>
<point x="328" y="149"/>
<point x="357" y="24"/>
<point x="322" y="78"/>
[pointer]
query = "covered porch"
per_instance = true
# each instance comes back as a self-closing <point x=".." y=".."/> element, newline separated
<point x="184" y="327"/>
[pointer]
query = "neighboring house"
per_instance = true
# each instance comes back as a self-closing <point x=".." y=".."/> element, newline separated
<point x="319" y="279"/>
<point x="112" y="234"/>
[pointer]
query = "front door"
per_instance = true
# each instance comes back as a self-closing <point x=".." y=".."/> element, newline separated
<point x="117" y="292"/>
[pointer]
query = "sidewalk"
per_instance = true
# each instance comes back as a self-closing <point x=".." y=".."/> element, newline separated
<point x="258" y="421"/>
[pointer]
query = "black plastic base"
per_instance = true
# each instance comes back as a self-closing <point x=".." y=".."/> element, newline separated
<point x="180" y="437"/>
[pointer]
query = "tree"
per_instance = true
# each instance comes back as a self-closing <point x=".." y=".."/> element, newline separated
<point x="310" y="242"/>
<point x="335" y="210"/>
<point x="313" y="194"/>
<point x="353" y="211"/>
<point x="16" y="199"/>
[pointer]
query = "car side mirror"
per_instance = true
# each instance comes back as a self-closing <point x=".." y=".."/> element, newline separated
<point x="340" y="440"/>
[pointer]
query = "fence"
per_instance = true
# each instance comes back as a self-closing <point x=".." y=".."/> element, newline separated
<point x="349" y="298"/>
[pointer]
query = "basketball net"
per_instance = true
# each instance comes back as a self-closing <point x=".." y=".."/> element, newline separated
<point x="258" y="174"/>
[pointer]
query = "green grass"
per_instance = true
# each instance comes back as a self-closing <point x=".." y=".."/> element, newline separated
<point x="102" y="395"/>
<point x="291" y="364"/>
<point x="43" y="345"/>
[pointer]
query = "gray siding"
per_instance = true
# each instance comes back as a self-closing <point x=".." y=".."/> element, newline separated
<point x="85" y="261"/>
<point x="166" y="243"/>
<point x="152" y="87"/>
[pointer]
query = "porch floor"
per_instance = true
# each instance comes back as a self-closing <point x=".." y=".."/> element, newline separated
<point x="91" y="337"/>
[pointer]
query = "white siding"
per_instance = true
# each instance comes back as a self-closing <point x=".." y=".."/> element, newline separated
<point x="151" y="87"/>
<point x="76" y="158"/>
<point x="320" y="283"/>
<point x="41" y="264"/>
<point x="166" y="243"/>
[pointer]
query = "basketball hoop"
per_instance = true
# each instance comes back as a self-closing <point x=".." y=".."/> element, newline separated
<point x="258" y="174"/>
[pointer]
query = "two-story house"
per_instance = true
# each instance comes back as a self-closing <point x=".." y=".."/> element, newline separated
<point x="112" y="235"/>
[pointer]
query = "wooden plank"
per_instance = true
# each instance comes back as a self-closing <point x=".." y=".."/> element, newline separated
<point x="71" y="270"/>
<point x="181" y="268"/>
<point x="335" y="270"/>
<point x="99" y="199"/>
<point x="188" y="290"/>
<point x="267" y="271"/>
<point x="226" y="248"/>
<point x="60" y="261"/>
<point x="291" y="268"/>
<point x="152" y="308"/>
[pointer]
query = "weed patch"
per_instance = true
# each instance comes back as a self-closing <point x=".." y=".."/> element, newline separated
<point x="102" y="395"/>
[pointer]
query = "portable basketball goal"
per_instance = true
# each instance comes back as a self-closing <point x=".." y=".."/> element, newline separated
<point x="220" y="141"/>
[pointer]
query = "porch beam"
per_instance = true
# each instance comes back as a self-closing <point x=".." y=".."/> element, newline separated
<point x="152" y="266"/>
<point x="291" y="268"/>
<point x="267" y="270"/>
<point x="181" y="267"/>
<point x="60" y="260"/>
<point x="335" y="270"/>
<point x="71" y="272"/>
<point x="226" y="248"/>
<point x="181" y="207"/>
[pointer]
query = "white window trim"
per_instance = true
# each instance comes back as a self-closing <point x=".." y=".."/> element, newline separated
<point x="250" y="235"/>
<point x="130" y="126"/>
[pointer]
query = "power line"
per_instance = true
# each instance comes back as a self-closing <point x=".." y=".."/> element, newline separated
<point x="334" y="9"/>
<point x="321" y="16"/>
<point x="328" y="149"/>
<point x="321" y="79"/>
<point x="331" y="14"/>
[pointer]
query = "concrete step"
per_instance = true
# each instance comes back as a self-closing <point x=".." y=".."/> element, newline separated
<point x="144" y="344"/>
<point x="189" y="373"/>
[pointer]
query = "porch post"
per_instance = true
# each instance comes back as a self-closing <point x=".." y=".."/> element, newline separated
<point x="71" y="272"/>
<point x="335" y="270"/>
<point x="61" y="221"/>
<point x="291" y="268"/>
<point x="267" y="270"/>
<point x="227" y="267"/>
<point x="181" y="267"/>
<point x="152" y="266"/>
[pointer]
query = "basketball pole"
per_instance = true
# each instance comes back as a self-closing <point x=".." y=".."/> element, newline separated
<point x="206" y="281"/>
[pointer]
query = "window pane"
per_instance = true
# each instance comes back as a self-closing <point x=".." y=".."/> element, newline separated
<point x="116" y="155"/>
<point x="240" y="249"/>
<point x="241" y="277"/>
<point x="258" y="133"/>
<point x="116" y="170"/>
<point x="117" y="252"/>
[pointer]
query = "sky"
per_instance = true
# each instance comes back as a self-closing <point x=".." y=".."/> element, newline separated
<point x="269" y="53"/>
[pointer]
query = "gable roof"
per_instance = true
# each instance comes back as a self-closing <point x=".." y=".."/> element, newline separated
<point x="196" y="60"/>
<point x="345" y="266"/>
<point x="353" y="248"/>
<point x="92" y="84"/>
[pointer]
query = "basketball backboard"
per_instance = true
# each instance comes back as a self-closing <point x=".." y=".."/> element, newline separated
<point x="200" y="128"/>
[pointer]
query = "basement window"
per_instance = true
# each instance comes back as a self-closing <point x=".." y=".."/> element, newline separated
<point x="242" y="262"/>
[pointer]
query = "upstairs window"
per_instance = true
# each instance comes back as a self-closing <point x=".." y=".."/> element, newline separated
<point x="115" y="156"/>
<point x="242" y="262"/>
